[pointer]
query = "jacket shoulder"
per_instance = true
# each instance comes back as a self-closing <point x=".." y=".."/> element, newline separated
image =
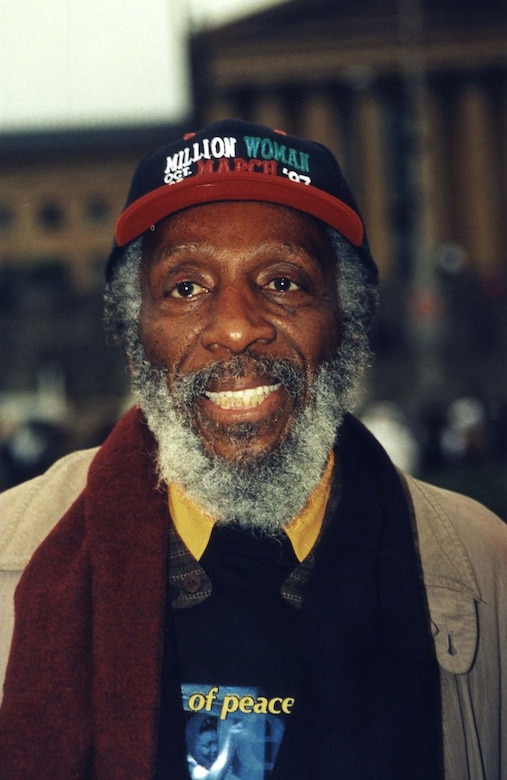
<point x="463" y="552"/>
<point x="30" y="510"/>
<point x="449" y="516"/>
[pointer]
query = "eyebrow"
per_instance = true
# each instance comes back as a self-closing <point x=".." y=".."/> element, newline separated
<point x="264" y="246"/>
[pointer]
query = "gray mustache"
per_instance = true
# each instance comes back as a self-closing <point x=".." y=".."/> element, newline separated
<point x="187" y="388"/>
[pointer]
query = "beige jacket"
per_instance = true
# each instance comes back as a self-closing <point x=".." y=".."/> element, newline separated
<point x="463" y="550"/>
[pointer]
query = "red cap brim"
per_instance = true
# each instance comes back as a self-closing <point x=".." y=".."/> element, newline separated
<point x="170" y="198"/>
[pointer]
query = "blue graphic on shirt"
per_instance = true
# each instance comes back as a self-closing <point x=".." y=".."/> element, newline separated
<point x="233" y="733"/>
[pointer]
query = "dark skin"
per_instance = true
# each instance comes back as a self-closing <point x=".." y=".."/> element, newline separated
<point x="237" y="279"/>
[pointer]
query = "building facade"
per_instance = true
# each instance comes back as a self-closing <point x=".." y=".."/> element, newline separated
<point x="410" y="94"/>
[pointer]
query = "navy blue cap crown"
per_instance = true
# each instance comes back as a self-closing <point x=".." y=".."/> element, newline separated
<point x="234" y="160"/>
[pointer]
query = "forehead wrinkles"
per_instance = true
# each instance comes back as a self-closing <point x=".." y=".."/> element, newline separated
<point x="202" y="250"/>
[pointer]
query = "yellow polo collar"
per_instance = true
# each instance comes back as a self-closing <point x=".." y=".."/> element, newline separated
<point x="195" y="526"/>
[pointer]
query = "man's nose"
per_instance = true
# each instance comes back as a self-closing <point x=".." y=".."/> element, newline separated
<point x="236" y="321"/>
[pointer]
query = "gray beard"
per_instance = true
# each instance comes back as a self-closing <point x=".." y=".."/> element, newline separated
<point x="262" y="492"/>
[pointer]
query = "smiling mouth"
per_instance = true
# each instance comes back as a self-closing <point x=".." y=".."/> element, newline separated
<point x="242" y="399"/>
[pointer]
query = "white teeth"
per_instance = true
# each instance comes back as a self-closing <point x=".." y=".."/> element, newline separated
<point x="242" y="399"/>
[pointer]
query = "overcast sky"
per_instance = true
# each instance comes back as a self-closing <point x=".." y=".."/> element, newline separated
<point x="80" y="63"/>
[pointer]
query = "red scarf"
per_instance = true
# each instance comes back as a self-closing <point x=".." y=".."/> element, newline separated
<point x="83" y="684"/>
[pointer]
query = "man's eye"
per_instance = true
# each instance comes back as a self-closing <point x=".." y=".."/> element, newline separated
<point x="282" y="284"/>
<point x="186" y="289"/>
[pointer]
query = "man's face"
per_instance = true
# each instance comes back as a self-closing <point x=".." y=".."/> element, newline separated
<point x="230" y="284"/>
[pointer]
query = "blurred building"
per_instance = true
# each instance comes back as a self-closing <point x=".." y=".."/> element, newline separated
<point x="410" y="94"/>
<point x="61" y="193"/>
<point x="60" y="196"/>
<point x="412" y="97"/>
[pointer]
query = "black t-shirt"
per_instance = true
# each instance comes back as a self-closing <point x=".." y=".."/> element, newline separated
<point x="239" y="656"/>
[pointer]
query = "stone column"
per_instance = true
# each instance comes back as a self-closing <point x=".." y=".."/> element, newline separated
<point x="222" y="107"/>
<point x="268" y="110"/>
<point x="435" y="216"/>
<point x="478" y="178"/>
<point x="374" y="194"/>
<point x="319" y="120"/>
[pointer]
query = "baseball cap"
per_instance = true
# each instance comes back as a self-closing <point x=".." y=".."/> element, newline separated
<point x="233" y="160"/>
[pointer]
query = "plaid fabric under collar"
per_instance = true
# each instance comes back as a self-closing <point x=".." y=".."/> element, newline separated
<point x="188" y="583"/>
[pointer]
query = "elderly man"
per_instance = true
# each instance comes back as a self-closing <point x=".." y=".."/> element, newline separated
<point x="239" y="582"/>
